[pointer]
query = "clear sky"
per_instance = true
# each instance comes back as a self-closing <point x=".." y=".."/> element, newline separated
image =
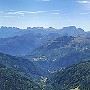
<point x="45" y="13"/>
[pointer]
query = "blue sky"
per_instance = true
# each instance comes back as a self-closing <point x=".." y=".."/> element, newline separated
<point x="46" y="13"/>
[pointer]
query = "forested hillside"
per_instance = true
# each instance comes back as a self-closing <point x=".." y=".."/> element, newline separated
<point x="77" y="75"/>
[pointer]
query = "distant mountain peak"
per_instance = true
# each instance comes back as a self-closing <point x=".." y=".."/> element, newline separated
<point x="71" y="27"/>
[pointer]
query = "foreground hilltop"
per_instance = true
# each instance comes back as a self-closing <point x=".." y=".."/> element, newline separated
<point x="11" y="79"/>
<point x="75" y="76"/>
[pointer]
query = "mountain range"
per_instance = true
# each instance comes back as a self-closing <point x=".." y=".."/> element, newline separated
<point x="44" y="58"/>
<point x="20" y="42"/>
<point x="22" y="65"/>
<point x="14" y="31"/>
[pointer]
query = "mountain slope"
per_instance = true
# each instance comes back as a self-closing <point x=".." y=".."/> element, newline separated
<point x="22" y="65"/>
<point x="10" y="79"/>
<point x="61" y="52"/>
<point x="24" y="44"/>
<point x="19" y="45"/>
<point x="72" y="77"/>
<point x="72" y="58"/>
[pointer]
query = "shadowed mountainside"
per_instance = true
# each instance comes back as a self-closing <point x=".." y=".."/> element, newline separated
<point x="22" y="65"/>
<point x="61" y="52"/>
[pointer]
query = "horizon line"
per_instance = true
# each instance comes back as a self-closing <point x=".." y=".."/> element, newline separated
<point x="39" y="27"/>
